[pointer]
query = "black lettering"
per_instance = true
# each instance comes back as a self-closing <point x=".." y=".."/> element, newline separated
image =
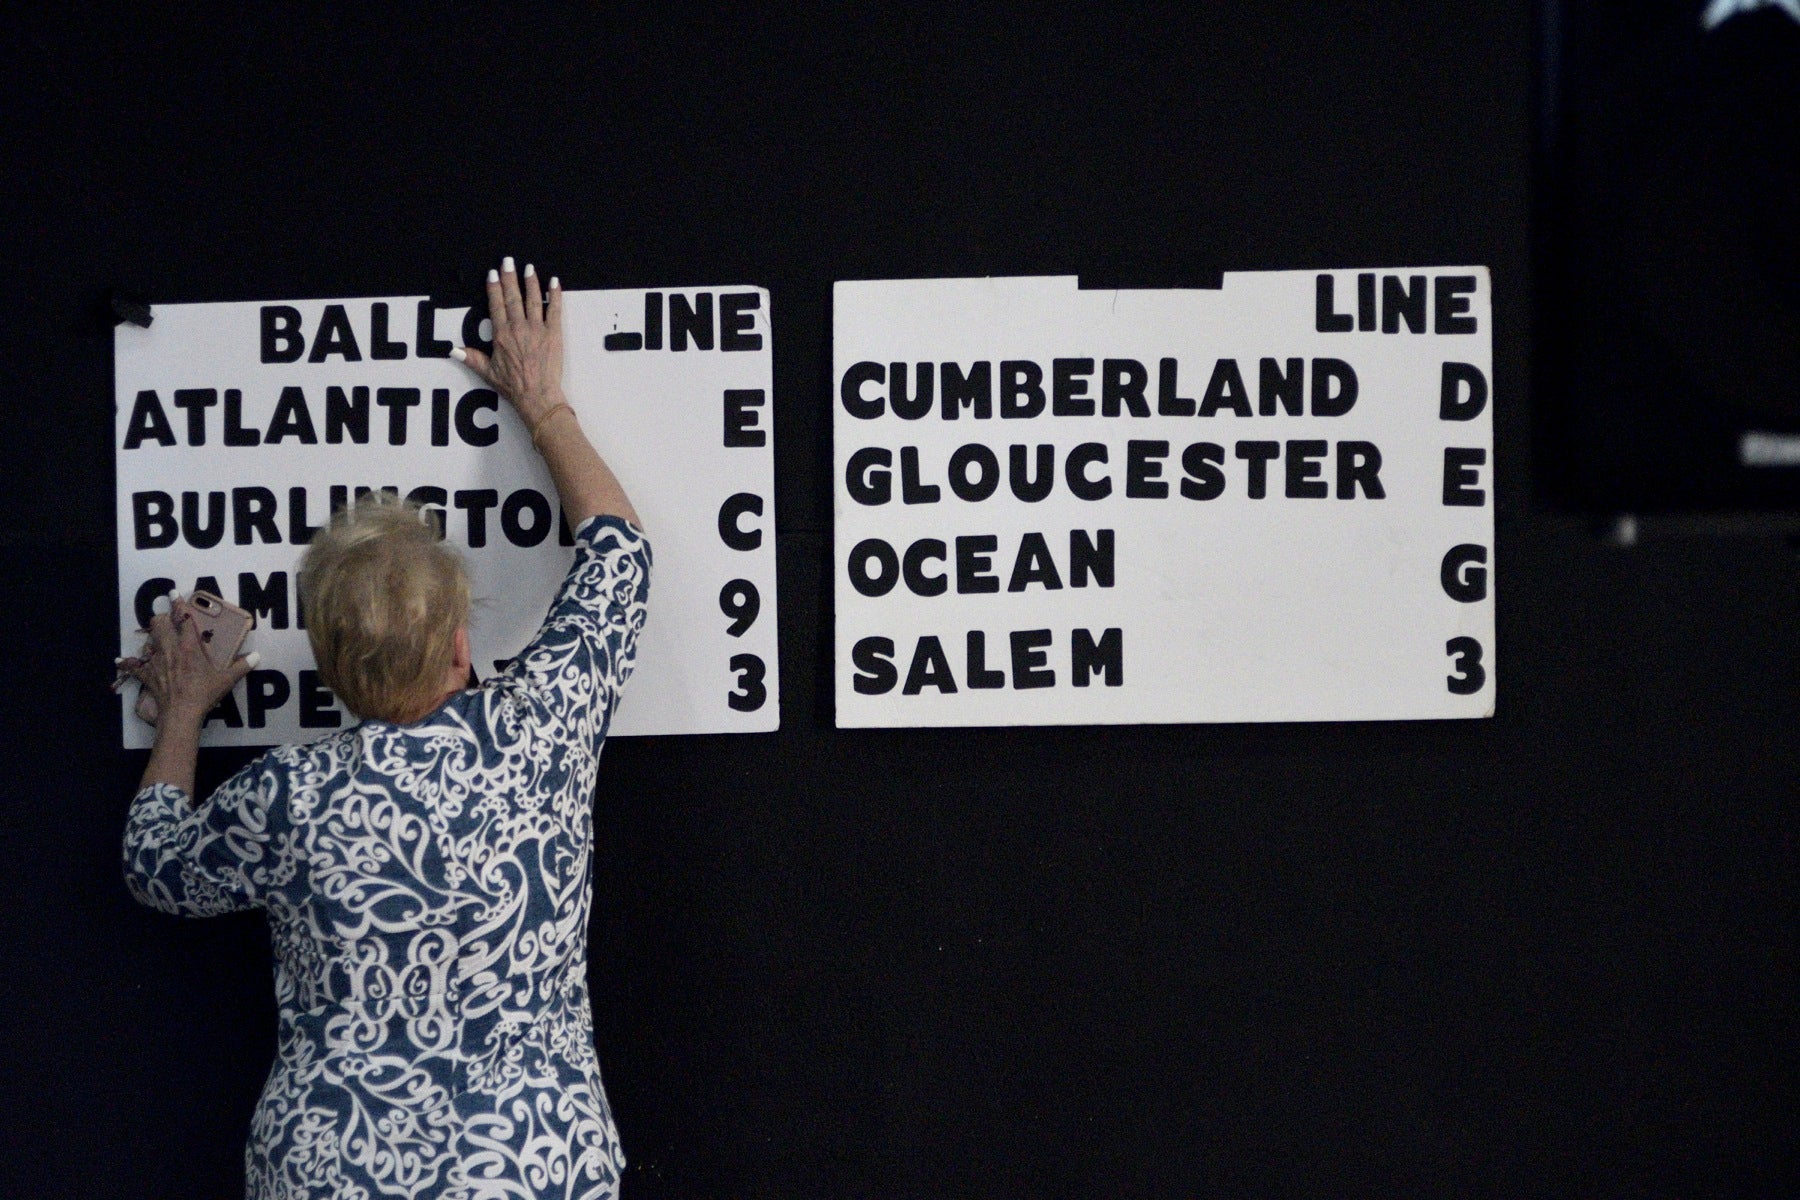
<point x="1122" y="383"/>
<point x="203" y="535"/>
<point x="731" y="514"/>
<point x="269" y="601"/>
<point x="1284" y="387"/>
<point x="867" y="476"/>
<point x="1334" y="387"/>
<point x="196" y="401"/>
<point x="235" y="433"/>
<point x="1305" y="473"/>
<point x="974" y="454"/>
<point x="930" y="668"/>
<point x="318" y="707"/>
<point x="980" y="675"/>
<point x="690" y="319"/>
<point x="1030" y="661"/>
<point x="1168" y="403"/>
<point x="911" y="490"/>
<point x="1226" y="390"/>
<point x="750" y="693"/>
<point x="735" y="321"/>
<point x="973" y="391"/>
<point x="153" y="522"/>
<point x="740" y="601"/>
<point x="226" y="711"/>
<point x="912" y="567"/>
<point x="473" y="320"/>
<point x="1021" y="390"/>
<point x="1326" y="318"/>
<point x="653" y="320"/>
<point x="347" y="414"/>
<point x="740" y="411"/>
<point x="877" y="553"/>
<point x="334" y="337"/>
<point x="1018" y="464"/>
<point x="282" y="341"/>
<point x="440" y="416"/>
<point x="263" y="691"/>
<point x="475" y="502"/>
<point x="148" y="421"/>
<point x="1258" y="455"/>
<point x="850" y="391"/>
<point x="1105" y="657"/>
<point x="292" y="419"/>
<point x="1464" y="573"/>
<point x="253" y="512"/>
<point x="1470" y="674"/>
<point x="876" y="674"/>
<point x="1460" y="476"/>
<point x="426" y="345"/>
<point x="1143" y="469"/>
<point x="299" y="532"/>
<point x="1068" y="387"/>
<point x="397" y="400"/>
<point x="1034" y="565"/>
<point x="909" y="408"/>
<point x="1397" y="302"/>
<point x="1202" y="462"/>
<point x="1365" y="302"/>
<point x="1451" y="301"/>
<point x="1090" y="556"/>
<point x="974" y="564"/>
<point x="1451" y="405"/>
<point x="472" y="402"/>
<point x="380" y="348"/>
<point x="1075" y="472"/>
<point x="518" y="531"/>
<point x="1359" y="464"/>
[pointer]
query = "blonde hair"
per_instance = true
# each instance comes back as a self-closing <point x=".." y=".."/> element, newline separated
<point x="383" y="598"/>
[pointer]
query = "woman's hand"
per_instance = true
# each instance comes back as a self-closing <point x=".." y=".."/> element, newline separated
<point x="526" y="363"/>
<point x="177" y="671"/>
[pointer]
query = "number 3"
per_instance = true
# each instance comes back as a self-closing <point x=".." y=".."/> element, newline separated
<point x="750" y="693"/>
<point x="1470" y="673"/>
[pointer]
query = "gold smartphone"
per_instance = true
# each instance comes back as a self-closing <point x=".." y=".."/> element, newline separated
<point x="223" y="628"/>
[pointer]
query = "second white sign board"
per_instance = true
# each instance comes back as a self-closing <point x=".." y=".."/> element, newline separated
<point x="1267" y="502"/>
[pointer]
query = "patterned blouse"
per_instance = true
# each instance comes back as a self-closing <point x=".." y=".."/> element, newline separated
<point x="428" y="889"/>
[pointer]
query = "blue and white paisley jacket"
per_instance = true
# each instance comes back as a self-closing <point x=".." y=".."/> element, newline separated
<point x="428" y="889"/>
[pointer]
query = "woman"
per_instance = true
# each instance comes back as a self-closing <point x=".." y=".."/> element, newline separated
<point x="427" y="873"/>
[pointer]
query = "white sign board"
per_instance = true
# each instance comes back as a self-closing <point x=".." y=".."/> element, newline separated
<point x="240" y="426"/>
<point x="1267" y="502"/>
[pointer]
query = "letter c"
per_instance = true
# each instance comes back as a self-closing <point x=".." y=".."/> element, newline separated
<point x="731" y="532"/>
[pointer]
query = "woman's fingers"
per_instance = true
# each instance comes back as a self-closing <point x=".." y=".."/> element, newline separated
<point x="473" y="359"/>
<point x="534" y="299"/>
<point x="496" y="302"/>
<point x="509" y="289"/>
<point x="555" y="317"/>
<point x="162" y="633"/>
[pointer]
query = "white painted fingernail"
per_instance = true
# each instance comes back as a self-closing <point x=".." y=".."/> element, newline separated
<point x="254" y="659"/>
<point x="555" y="284"/>
<point x="530" y="270"/>
<point x="506" y="264"/>
<point x="493" y="277"/>
<point x="119" y="660"/>
<point x="459" y="354"/>
<point x="160" y="605"/>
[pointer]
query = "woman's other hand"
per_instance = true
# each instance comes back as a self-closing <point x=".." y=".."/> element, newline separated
<point x="526" y="363"/>
<point x="177" y="671"/>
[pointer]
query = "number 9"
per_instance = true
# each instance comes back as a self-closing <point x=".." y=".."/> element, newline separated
<point x="740" y="601"/>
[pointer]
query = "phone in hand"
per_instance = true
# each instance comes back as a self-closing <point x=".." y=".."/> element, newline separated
<point x="223" y="628"/>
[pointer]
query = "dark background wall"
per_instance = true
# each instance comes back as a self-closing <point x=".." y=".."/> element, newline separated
<point x="1550" y="953"/>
